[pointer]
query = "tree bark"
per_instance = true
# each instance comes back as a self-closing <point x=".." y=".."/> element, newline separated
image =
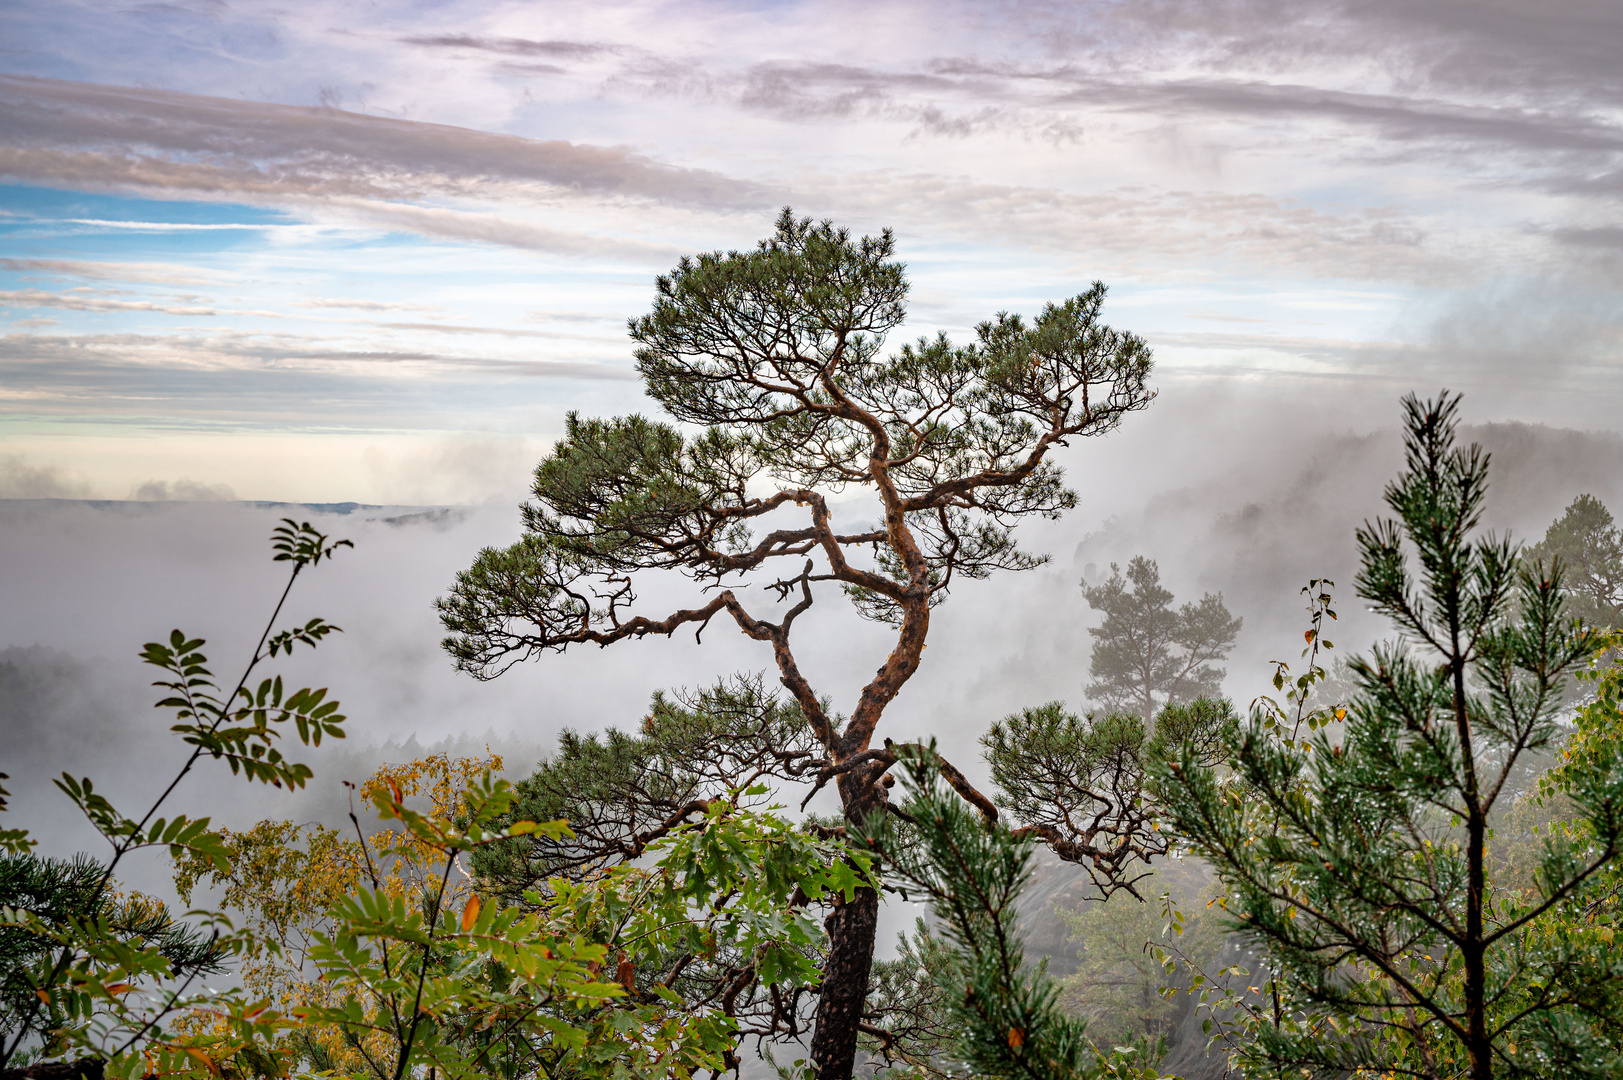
<point x="852" y="927"/>
<point x="851" y="930"/>
<point x="1473" y="950"/>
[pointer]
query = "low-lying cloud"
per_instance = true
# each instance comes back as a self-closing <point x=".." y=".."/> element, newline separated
<point x="21" y="478"/>
<point x="183" y="490"/>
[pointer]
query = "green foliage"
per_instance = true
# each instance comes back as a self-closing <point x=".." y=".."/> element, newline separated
<point x="1362" y="867"/>
<point x="519" y="990"/>
<point x="1147" y="655"/>
<point x="107" y="972"/>
<point x="12" y="841"/>
<point x="1079" y="783"/>
<point x="1124" y="985"/>
<point x="1588" y="545"/>
<point x="971" y="873"/>
<point x="56" y="893"/>
<point x="727" y="883"/>
<point x="240" y="732"/>
<point x="665" y="959"/>
<point x="301" y="544"/>
<point x="621" y="790"/>
<point x="909" y="1018"/>
<point x="1308" y="700"/>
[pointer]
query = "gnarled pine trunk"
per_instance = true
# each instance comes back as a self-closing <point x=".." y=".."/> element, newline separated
<point x="852" y="927"/>
<point x="851" y="930"/>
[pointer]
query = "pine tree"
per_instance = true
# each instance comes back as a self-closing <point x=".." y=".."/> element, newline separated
<point x="774" y="357"/>
<point x="1590" y="547"/>
<point x="1361" y="867"/>
<point x="1145" y="654"/>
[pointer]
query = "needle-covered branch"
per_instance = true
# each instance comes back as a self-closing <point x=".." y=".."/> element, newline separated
<point x="1078" y="783"/>
<point x="992" y="1014"/>
<point x="621" y="790"/>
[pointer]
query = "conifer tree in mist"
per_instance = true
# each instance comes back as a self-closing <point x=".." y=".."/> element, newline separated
<point x="1145" y="653"/>
<point x="1589" y="546"/>
<point x="1364" y="867"/>
<point x="774" y="358"/>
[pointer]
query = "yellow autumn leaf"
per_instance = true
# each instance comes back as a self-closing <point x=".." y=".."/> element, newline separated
<point x="470" y="913"/>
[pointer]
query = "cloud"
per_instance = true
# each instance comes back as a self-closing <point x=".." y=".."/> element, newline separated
<point x="233" y="379"/>
<point x="40" y="298"/>
<point x="1555" y="50"/>
<point x="181" y="491"/>
<point x="502" y="229"/>
<point x="57" y="132"/>
<point x="1602" y="237"/>
<point x="1558" y="329"/>
<point x="22" y="479"/>
<point x="366" y="305"/>
<point x="496" y="331"/>
<point x="173" y="226"/>
<point x="465" y="470"/>
<point x="1397" y="119"/>
<point x="1427" y="75"/>
<point x="1165" y="234"/>
<point x="508" y="46"/>
<point x="153" y="273"/>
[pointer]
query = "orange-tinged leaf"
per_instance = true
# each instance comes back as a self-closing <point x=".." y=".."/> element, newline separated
<point x="626" y="974"/>
<point x="470" y="913"/>
<point x="1017" y="1038"/>
<point x="394" y="789"/>
<point x="43" y="996"/>
<point x="208" y="1062"/>
<point x="119" y="988"/>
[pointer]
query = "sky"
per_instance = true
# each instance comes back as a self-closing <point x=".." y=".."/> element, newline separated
<point x="377" y="251"/>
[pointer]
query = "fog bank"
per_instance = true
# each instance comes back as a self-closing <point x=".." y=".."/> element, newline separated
<point x="86" y="583"/>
